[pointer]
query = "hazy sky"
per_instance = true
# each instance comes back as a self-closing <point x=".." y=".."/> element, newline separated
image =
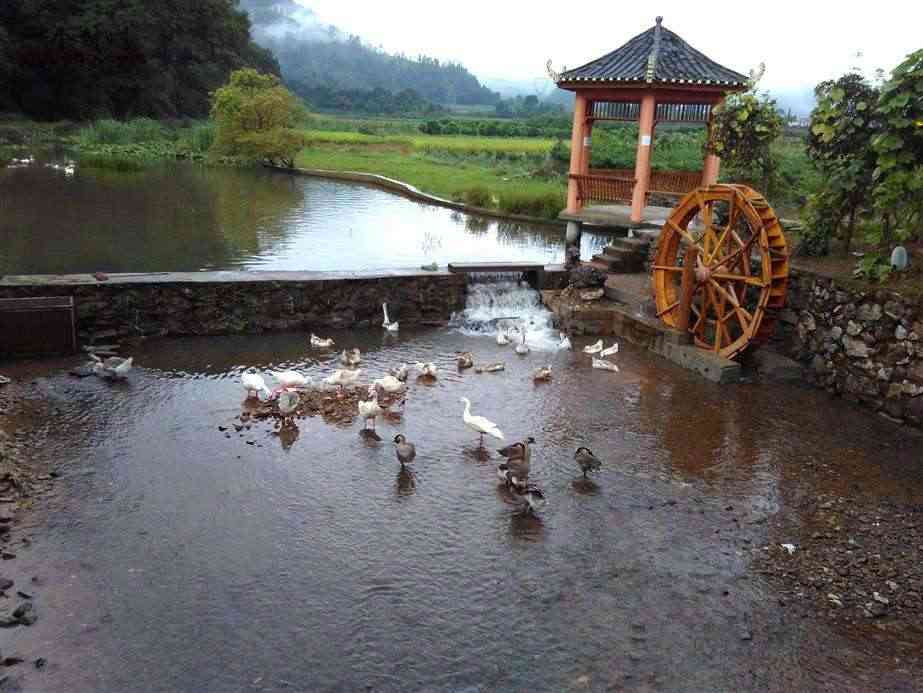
<point x="800" y="42"/>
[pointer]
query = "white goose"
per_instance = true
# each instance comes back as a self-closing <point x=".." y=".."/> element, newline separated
<point x="254" y="384"/>
<point x="387" y="324"/>
<point x="593" y="348"/>
<point x="319" y="343"/>
<point x="611" y="351"/>
<point x="290" y="379"/>
<point x="113" y="368"/>
<point x="480" y="424"/>
<point x="522" y="348"/>
<point x="369" y="409"/>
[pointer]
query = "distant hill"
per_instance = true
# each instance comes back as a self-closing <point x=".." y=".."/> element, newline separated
<point x="318" y="61"/>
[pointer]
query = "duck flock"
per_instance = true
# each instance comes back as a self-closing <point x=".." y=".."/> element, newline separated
<point x="385" y="397"/>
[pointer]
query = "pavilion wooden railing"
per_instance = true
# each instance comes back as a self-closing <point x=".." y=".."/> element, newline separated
<point x="594" y="188"/>
<point x="664" y="183"/>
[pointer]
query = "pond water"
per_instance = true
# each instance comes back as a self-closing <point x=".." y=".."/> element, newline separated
<point x="187" y="217"/>
<point x="179" y="556"/>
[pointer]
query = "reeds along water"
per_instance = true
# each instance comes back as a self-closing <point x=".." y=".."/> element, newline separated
<point x="505" y="301"/>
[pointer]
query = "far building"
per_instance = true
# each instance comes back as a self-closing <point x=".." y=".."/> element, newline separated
<point x="654" y="78"/>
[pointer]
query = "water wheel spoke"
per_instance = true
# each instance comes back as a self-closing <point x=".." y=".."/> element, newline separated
<point x="682" y="232"/>
<point x="731" y="297"/>
<point x="751" y="281"/>
<point x="742" y="252"/>
<point x="672" y="306"/>
<point x="667" y="268"/>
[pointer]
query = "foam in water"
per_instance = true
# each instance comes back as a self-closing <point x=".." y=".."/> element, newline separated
<point x="499" y="302"/>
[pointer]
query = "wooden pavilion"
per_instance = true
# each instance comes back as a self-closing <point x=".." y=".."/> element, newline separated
<point x="654" y="78"/>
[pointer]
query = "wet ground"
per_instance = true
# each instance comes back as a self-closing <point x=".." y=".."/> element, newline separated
<point x="174" y="555"/>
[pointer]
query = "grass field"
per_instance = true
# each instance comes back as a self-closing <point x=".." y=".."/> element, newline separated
<point x="445" y="143"/>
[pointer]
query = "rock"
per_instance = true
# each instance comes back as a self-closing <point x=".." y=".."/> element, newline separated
<point x="900" y="333"/>
<point x="592" y="295"/>
<point x="587" y="278"/>
<point x="836" y="333"/>
<point x="835" y="600"/>
<point x="40" y="663"/>
<point x="853" y="329"/>
<point x="881" y="600"/>
<point x="895" y="390"/>
<point x="5" y="584"/>
<point x="856" y="348"/>
<point x="25" y="614"/>
<point x="869" y="312"/>
<point x="884" y="374"/>
<point x="808" y="321"/>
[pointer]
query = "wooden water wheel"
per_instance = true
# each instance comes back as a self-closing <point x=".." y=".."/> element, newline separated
<point x="740" y="272"/>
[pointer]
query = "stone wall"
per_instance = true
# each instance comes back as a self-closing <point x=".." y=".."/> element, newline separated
<point x="213" y="303"/>
<point x="864" y="346"/>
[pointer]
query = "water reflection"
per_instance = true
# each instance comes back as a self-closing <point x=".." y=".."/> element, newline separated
<point x="406" y="482"/>
<point x="187" y="217"/>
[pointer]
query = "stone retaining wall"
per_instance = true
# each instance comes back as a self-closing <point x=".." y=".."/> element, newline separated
<point x="864" y="346"/>
<point x="213" y="303"/>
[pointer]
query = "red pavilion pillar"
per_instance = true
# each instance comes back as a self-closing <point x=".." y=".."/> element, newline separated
<point x="576" y="152"/>
<point x="643" y="157"/>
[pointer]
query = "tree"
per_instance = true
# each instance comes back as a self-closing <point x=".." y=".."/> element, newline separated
<point x="92" y="58"/>
<point x="743" y="130"/>
<point x="843" y="123"/>
<point x="898" y="149"/>
<point x="255" y="118"/>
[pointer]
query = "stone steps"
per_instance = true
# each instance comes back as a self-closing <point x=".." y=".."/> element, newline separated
<point x="623" y="255"/>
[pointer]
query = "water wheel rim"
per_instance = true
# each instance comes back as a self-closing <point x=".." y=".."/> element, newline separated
<point x="744" y="259"/>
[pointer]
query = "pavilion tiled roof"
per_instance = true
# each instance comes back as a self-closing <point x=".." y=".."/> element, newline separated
<point x="656" y="56"/>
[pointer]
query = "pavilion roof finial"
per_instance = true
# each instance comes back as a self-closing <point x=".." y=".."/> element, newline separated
<point x="651" y="70"/>
<point x="659" y="20"/>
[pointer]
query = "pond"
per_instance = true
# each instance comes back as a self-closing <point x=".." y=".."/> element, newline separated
<point x="186" y="549"/>
<point x="188" y="217"/>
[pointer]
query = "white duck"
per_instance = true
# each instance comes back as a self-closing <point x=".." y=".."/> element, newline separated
<point x="341" y="378"/>
<point x="369" y="408"/>
<point x="319" y="343"/>
<point x="427" y="370"/>
<point x="593" y="348"/>
<point x="480" y="424"/>
<point x="565" y="342"/>
<point x="611" y="351"/>
<point x="351" y="357"/>
<point x="390" y="384"/>
<point x="113" y="368"/>
<point x="288" y="402"/>
<point x="290" y="379"/>
<point x="604" y="365"/>
<point x="401" y="372"/>
<point x="254" y="384"/>
<point x="522" y="348"/>
<point x="542" y="375"/>
<point x="387" y="324"/>
<point x="502" y="338"/>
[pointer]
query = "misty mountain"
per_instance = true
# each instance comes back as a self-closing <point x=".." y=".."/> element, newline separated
<point x="319" y="60"/>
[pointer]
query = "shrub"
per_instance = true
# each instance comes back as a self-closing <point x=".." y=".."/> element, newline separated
<point x="110" y="161"/>
<point x="196" y="140"/>
<point x="478" y="197"/>
<point x="546" y="205"/>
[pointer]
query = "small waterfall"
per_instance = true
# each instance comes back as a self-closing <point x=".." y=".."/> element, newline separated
<point x="505" y="301"/>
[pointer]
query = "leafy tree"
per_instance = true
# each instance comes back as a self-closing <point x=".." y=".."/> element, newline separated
<point x="743" y="130"/>
<point x="255" y="118"/>
<point x="83" y="59"/>
<point x="843" y="123"/>
<point x="899" y="151"/>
